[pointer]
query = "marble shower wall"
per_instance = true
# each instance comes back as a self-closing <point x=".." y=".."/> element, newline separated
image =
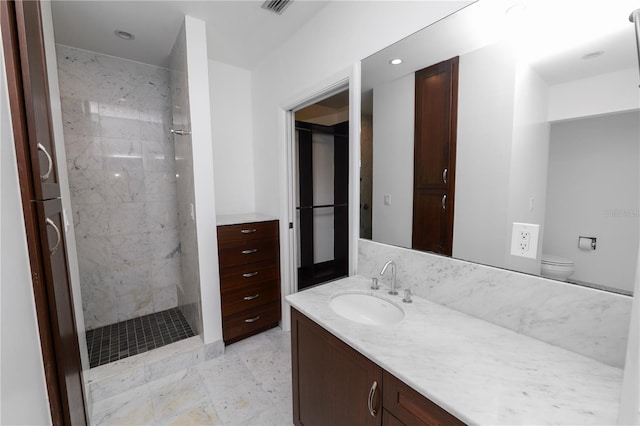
<point x="590" y="322"/>
<point x="120" y="157"/>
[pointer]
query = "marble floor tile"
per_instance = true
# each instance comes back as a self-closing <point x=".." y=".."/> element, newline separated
<point x="250" y="384"/>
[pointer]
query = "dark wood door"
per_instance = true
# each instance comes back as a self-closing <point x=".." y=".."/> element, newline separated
<point x="436" y="99"/>
<point x="31" y="121"/>
<point x="332" y="383"/>
<point x="61" y="310"/>
<point x="36" y="100"/>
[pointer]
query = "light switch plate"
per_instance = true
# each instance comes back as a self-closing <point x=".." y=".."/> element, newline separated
<point x="387" y="199"/>
<point x="524" y="240"/>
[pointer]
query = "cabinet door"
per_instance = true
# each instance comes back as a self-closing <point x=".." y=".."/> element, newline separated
<point x="404" y="406"/>
<point x="436" y="94"/>
<point x="61" y="312"/>
<point x="332" y="383"/>
<point x="36" y="100"/>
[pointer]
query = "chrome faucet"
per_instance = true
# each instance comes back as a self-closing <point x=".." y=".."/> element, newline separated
<point x="393" y="275"/>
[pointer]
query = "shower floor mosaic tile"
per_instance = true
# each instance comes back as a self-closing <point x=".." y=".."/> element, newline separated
<point x="135" y="336"/>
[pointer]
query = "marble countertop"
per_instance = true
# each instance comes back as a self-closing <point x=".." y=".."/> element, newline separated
<point x="235" y="219"/>
<point x="480" y="372"/>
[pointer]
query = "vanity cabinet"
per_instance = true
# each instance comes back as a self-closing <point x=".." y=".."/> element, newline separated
<point x="335" y="384"/>
<point x="249" y="278"/>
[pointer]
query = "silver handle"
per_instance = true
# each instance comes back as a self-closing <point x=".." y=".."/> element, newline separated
<point x="372" y="393"/>
<point x="254" y="319"/>
<point x="248" y="231"/>
<point x="181" y="132"/>
<point x="255" y="296"/>
<point x="250" y="274"/>
<point x="49" y="163"/>
<point x="50" y="223"/>
<point x="249" y="251"/>
<point x="444" y="201"/>
<point x="444" y="175"/>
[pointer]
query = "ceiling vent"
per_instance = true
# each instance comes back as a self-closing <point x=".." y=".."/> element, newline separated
<point x="276" y="6"/>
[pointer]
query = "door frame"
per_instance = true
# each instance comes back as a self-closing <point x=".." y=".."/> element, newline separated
<point x="348" y="78"/>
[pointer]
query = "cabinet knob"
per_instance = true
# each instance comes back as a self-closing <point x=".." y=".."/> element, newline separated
<point x="251" y="251"/>
<point x="250" y="274"/>
<point x="248" y="231"/>
<point x="254" y="319"/>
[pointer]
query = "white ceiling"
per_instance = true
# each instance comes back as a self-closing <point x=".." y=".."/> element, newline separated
<point x="559" y="32"/>
<point x="239" y="32"/>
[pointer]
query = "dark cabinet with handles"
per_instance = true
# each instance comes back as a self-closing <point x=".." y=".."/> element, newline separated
<point x="28" y="91"/>
<point x="249" y="278"/>
<point x="333" y="384"/>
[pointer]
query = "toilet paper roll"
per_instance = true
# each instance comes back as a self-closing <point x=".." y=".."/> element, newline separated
<point x="585" y="243"/>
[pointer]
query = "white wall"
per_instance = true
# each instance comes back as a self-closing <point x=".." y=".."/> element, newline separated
<point x="341" y="34"/>
<point x="205" y="208"/>
<point x="605" y="93"/>
<point x="393" y="128"/>
<point x="323" y="169"/>
<point x="529" y="161"/>
<point x="483" y="153"/>
<point x="593" y="191"/>
<point x="232" y="132"/>
<point x="629" y="413"/>
<point x="23" y="396"/>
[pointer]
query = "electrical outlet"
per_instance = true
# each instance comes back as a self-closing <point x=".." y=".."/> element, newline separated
<point x="524" y="240"/>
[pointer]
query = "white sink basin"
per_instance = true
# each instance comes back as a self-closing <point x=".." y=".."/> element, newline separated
<point x="366" y="308"/>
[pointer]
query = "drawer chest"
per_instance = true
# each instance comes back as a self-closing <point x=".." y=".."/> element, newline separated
<point x="249" y="278"/>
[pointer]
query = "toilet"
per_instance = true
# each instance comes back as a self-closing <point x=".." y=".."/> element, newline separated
<point x="556" y="267"/>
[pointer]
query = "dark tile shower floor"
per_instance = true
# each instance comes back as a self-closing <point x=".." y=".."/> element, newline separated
<point x="135" y="336"/>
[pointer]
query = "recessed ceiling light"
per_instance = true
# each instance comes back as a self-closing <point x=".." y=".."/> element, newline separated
<point x="593" y="55"/>
<point x="124" y="35"/>
<point x="396" y="61"/>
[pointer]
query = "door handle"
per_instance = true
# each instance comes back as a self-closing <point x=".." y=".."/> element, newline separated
<point x="46" y="176"/>
<point x="444" y="202"/>
<point x="50" y="223"/>
<point x="444" y="175"/>
<point x="372" y="394"/>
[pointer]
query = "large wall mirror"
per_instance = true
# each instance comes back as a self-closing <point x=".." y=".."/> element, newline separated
<point x="547" y="134"/>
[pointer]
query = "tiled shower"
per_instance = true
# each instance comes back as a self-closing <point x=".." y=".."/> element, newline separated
<point x="122" y="177"/>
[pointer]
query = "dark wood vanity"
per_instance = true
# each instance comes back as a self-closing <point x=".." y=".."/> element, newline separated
<point x="333" y="384"/>
<point x="249" y="278"/>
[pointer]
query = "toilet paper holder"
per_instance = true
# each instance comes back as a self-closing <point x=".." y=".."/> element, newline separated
<point x="587" y="243"/>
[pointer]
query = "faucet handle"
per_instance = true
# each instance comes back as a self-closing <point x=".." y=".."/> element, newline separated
<point x="407" y="296"/>
<point x="374" y="284"/>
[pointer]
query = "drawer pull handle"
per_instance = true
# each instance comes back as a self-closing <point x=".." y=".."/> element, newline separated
<point x="251" y="251"/>
<point x="248" y="231"/>
<point x="250" y="274"/>
<point x="254" y="319"/>
<point x="45" y="176"/>
<point x="372" y="394"/>
<point x="52" y="224"/>
<point x="255" y="296"/>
